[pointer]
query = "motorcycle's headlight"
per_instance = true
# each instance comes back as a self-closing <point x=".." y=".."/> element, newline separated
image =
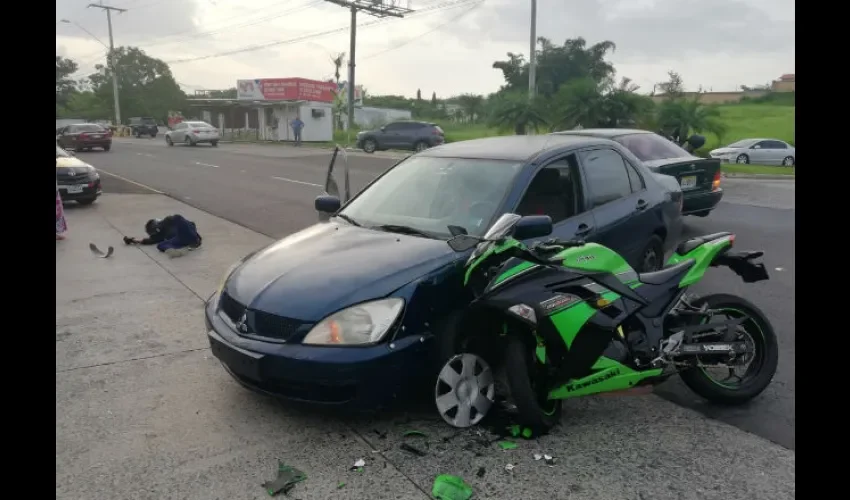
<point x="364" y="323"/>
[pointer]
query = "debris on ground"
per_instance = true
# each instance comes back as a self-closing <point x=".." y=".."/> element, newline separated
<point x="481" y="472"/>
<point x="412" y="449"/>
<point x="340" y="486"/>
<point x="509" y="467"/>
<point x="100" y="253"/>
<point x="415" y="434"/>
<point x="448" y="487"/>
<point x="358" y="465"/>
<point x="507" y="445"/>
<point x="549" y="459"/>
<point x="381" y="434"/>
<point x="287" y="478"/>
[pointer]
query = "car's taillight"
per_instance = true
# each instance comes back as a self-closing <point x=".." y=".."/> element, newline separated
<point x="715" y="184"/>
<point x="194" y="131"/>
<point x="84" y="136"/>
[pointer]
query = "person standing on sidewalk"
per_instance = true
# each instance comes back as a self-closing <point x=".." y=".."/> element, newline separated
<point x="61" y="225"/>
<point x="297" y="125"/>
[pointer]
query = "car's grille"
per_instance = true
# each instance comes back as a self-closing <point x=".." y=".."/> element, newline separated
<point x="259" y="323"/>
<point x="63" y="176"/>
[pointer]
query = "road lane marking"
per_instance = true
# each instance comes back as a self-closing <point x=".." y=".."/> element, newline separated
<point x="297" y="182"/>
<point x="206" y="164"/>
<point x="157" y="191"/>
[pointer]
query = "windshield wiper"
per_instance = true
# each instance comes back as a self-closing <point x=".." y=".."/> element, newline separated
<point x="348" y="219"/>
<point x="394" y="228"/>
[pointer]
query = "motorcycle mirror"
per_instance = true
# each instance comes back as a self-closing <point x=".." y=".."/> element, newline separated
<point x="463" y="242"/>
<point x="327" y="204"/>
<point x="533" y="226"/>
<point x="696" y="141"/>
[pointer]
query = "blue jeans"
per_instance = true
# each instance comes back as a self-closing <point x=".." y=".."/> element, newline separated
<point x="297" y="133"/>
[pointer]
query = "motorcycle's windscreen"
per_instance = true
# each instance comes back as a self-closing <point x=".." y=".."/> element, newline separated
<point x="501" y="228"/>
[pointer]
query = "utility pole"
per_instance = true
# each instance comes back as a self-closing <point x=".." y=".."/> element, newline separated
<point x="110" y="60"/>
<point x="532" y="58"/>
<point x="377" y="8"/>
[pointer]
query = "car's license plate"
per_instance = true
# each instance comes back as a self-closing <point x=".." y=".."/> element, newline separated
<point x="241" y="362"/>
<point x="98" y="136"/>
<point x="75" y="188"/>
<point x="688" y="182"/>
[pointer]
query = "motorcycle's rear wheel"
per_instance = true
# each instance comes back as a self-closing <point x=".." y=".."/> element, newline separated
<point x="762" y="365"/>
<point x="535" y="409"/>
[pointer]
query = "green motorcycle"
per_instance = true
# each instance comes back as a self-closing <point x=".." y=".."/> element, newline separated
<point x="564" y="319"/>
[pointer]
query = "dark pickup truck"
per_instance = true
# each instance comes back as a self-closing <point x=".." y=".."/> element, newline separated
<point x="145" y="125"/>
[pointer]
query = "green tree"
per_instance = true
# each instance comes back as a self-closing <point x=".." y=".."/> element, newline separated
<point x="679" y="118"/>
<point x="514" y="111"/>
<point x="418" y="95"/>
<point x="147" y="87"/>
<point x="472" y="106"/>
<point x="65" y="86"/>
<point x="586" y="103"/>
<point x="338" y="105"/>
<point x="434" y="100"/>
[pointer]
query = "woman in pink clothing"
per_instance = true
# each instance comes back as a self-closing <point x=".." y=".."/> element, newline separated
<point x="61" y="226"/>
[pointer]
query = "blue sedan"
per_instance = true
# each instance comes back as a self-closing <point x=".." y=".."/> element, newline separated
<point x="355" y="310"/>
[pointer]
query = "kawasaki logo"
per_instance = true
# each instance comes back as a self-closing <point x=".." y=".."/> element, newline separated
<point x="593" y="381"/>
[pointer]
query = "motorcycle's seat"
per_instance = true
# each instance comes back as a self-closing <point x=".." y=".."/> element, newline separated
<point x="688" y="245"/>
<point x="663" y="276"/>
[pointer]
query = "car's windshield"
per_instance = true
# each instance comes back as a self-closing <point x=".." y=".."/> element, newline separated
<point x="742" y="144"/>
<point x="61" y="153"/>
<point x="649" y="147"/>
<point x="429" y="194"/>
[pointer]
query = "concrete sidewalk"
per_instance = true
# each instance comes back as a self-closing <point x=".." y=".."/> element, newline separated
<point x="143" y="410"/>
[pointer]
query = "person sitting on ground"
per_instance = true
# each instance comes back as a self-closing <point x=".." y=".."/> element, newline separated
<point x="174" y="235"/>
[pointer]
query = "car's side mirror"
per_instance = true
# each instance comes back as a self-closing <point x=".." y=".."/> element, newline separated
<point x="533" y="226"/>
<point x="383" y="129"/>
<point x="327" y="204"/>
<point x="696" y="141"/>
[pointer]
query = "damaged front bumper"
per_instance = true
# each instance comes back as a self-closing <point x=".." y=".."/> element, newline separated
<point x="361" y="377"/>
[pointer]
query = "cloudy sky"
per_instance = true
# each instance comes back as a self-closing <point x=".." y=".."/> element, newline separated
<point x="445" y="46"/>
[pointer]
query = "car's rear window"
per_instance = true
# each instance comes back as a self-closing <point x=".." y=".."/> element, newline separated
<point x="87" y="127"/>
<point x="200" y="124"/>
<point x="649" y="147"/>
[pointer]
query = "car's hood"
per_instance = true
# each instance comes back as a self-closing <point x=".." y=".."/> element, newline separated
<point x="722" y="151"/>
<point x="329" y="266"/>
<point x="70" y="162"/>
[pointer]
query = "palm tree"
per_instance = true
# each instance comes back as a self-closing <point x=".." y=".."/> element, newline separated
<point x="472" y="105"/>
<point x="689" y="115"/>
<point x="515" y="111"/>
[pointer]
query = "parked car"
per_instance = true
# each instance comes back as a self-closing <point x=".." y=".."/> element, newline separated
<point x="354" y="310"/>
<point x="758" y="151"/>
<point x="699" y="177"/>
<point x="192" y="134"/>
<point x="77" y="180"/>
<point x="84" y="137"/>
<point x="143" y="125"/>
<point x="416" y="136"/>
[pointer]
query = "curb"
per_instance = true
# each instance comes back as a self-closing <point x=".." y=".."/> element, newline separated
<point x="765" y="177"/>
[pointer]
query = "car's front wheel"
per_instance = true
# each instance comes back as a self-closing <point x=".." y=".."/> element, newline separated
<point x="168" y="140"/>
<point x="652" y="258"/>
<point x="420" y="146"/>
<point x="742" y="158"/>
<point x="788" y="161"/>
<point x="369" y="145"/>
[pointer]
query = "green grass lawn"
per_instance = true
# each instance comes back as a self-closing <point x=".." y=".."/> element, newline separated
<point x="757" y="169"/>
<point x="745" y="121"/>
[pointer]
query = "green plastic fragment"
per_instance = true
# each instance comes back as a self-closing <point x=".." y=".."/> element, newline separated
<point x="514" y="430"/>
<point x="340" y="486"/>
<point x="448" y="487"/>
<point x="415" y="434"/>
<point x="507" y="445"/>
<point x="527" y="433"/>
<point x="287" y="478"/>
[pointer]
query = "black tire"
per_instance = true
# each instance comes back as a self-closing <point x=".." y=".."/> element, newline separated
<point x="107" y="147"/>
<point x="742" y="158"/>
<point x="168" y="140"/>
<point x="518" y="368"/>
<point x="214" y="144"/>
<point x="86" y="201"/>
<point x="370" y="145"/>
<point x="420" y="146"/>
<point x="767" y="356"/>
<point x="652" y="256"/>
<point x="788" y="161"/>
<point x="188" y="141"/>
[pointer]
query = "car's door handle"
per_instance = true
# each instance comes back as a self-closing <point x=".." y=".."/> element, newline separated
<point x="583" y="229"/>
<point x="641" y="204"/>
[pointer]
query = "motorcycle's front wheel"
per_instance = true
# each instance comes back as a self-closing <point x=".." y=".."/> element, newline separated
<point x="535" y="410"/>
<point x="759" y="368"/>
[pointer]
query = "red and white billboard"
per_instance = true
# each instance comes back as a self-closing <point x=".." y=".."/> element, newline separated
<point x="285" y="89"/>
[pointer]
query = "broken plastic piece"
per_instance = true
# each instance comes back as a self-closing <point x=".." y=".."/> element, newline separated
<point x="415" y="434"/>
<point x="538" y="456"/>
<point x="100" y="253"/>
<point x="412" y="449"/>
<point x="550" y="460"/>
<point x="527" y="433"/>
<point x="340" y="486"/>
<point x="448" y="487"/>
<point x="514" y="430"/>
<point x="360" y="462"/>
<point x="287" y="478"/>
<point x="507" y="445"/>
<point x="481" y="472"/>
<point x="509" y="467"/>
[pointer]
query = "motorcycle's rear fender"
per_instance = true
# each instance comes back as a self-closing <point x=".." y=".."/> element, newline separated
<point x="741" y="263"/>
<point x="703" y="256"/>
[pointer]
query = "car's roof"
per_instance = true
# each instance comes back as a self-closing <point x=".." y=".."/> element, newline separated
<point x="603" y="132"/>
<point x="509" y="147"/>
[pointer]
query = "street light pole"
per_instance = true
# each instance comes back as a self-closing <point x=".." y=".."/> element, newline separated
<point x="111" y="58"/>
<point x="532" y="61"/>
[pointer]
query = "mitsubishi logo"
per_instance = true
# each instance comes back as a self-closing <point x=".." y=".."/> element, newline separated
<point x="242" y="325"/>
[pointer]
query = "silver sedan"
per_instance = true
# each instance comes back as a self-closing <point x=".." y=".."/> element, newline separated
<point x="758" y="152"/>
<point x="192" y="134"/>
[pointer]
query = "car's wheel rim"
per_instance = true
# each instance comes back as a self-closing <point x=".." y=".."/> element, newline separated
<point x="787" y="162"/>
<point x="650" y="260"/>
<point x="420" y="147"/>
<point x="465" y="390"/>
<point x="369" y="146"/>
<point x="742" y="159"/>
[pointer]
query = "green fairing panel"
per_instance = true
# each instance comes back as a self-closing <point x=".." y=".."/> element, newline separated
<point x="610" y="376"/>
<point x="703" y="255"/>
<point x="514" y="271"/>
<point x="595" y="258"/>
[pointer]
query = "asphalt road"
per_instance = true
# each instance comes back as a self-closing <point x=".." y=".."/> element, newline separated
<point x="270" y="189"/>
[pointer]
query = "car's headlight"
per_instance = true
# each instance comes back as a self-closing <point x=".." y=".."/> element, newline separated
<point x="364" y="323"/>
<point x="227" y="275"/>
